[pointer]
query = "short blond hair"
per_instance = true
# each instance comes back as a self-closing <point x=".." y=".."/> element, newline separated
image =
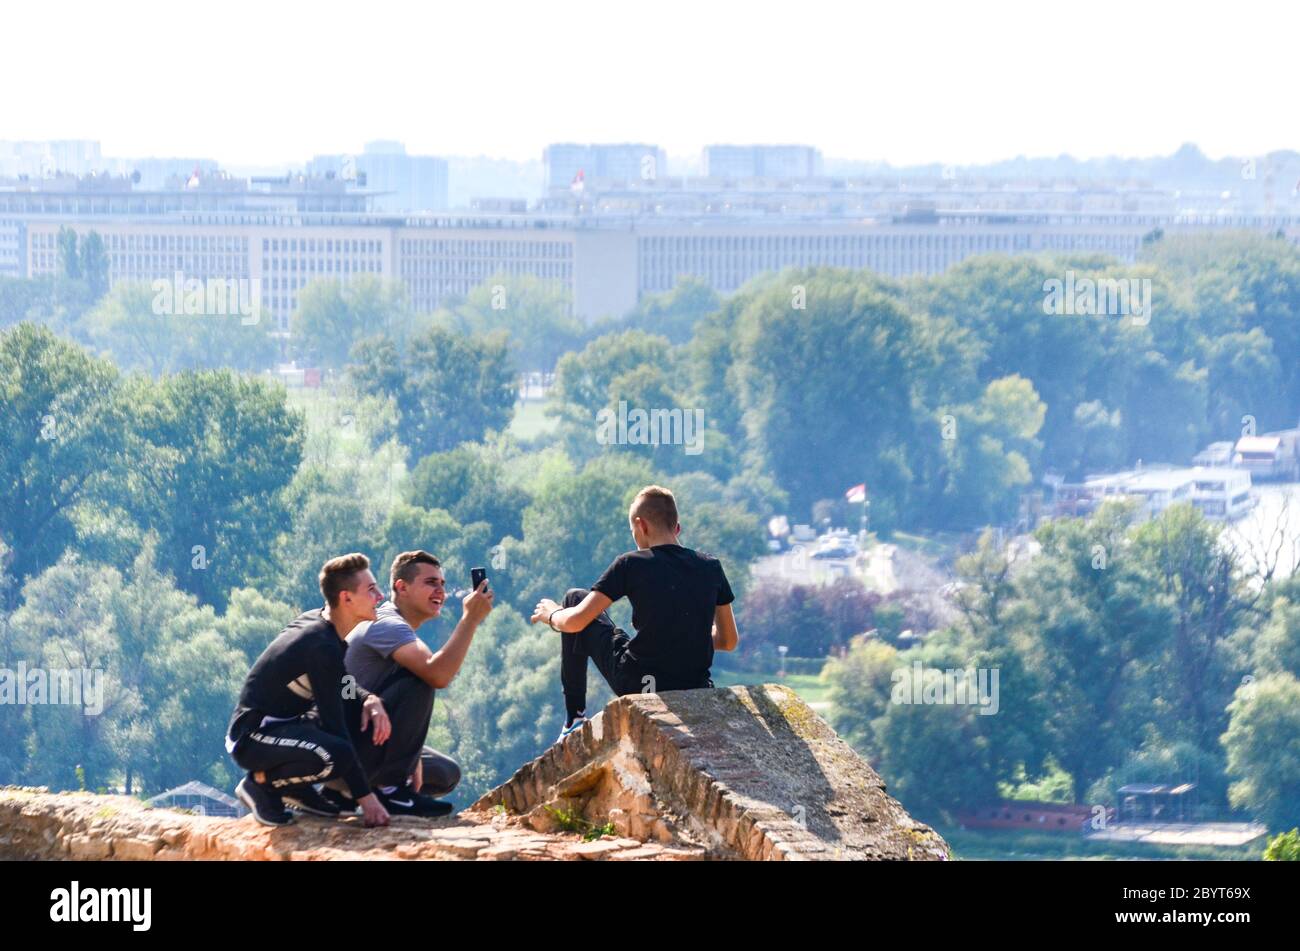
<point x="657" y="506"/>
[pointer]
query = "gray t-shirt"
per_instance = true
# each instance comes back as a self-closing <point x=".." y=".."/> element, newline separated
<point x="371" y="644"/>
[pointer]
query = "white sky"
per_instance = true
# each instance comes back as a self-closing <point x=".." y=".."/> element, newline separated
<point x="276" y="82"/>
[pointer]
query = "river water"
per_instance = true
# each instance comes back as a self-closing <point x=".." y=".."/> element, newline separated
<point x="1273" y="526"/>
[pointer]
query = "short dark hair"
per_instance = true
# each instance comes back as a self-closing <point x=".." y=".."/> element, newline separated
<point x="337" y="575"/>
<point x="406" y="564"/>
<point x="656" y="505"/>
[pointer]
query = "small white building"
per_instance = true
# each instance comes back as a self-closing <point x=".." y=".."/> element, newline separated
<point x="199" y="799"/>
<point x="1270" y="456"/>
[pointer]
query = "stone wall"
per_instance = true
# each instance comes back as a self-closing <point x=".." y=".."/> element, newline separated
<point x="742" y="772"/>
<point x="736" y="773"/>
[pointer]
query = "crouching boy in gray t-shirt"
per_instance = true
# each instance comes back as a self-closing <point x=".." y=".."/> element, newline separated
<point x="388" y="659"/>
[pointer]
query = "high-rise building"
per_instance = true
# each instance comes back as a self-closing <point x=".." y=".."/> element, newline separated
<point x="50" y="158"/>
<point x="399" y="182"/>
<point x="626" y="162"/>
<point x="761" y="161"/>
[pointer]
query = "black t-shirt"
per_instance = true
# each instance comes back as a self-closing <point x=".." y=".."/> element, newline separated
<point x="673" y="591"/>
<point x="300" y="670"/>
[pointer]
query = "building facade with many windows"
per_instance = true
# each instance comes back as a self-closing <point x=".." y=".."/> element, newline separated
<point x="606" y="263"/>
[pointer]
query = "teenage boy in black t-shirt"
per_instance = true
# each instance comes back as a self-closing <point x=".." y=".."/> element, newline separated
<point x="681" y="610"/>
<point x="300" y="717"/>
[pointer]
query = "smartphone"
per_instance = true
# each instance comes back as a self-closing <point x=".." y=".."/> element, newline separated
<point x="476" y="577"/>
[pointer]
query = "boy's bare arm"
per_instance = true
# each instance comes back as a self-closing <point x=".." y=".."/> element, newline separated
<point x="725" y="635"/>
<point x="440" y="668"/>
<point x="574" y="619"/>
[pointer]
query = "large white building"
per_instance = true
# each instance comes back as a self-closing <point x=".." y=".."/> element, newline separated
<point x="287" y="232"/>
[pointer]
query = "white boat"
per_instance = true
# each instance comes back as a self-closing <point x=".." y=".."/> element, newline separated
<point x="1222" y="493"/>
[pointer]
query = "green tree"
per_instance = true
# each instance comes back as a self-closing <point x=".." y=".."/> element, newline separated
<point x="14" y="725"/>
<point x="50" y="299"/>
<point x="1195" y="574"/>
<point x="1000" y="300"/>
<point x="860" y="686"/>
<point x="338" y="502"/>
<point x="987" y="454"/>
<point x="139" y="332"/>
<point x="1095" y="441"/>
<point x="1244" y="375"/>
<point x="1161" y="761"/>
<point x="69" y="259"/>
<point x="1095" y="631"/>
<point x="63" y="429"/>
<point x="252" y="620"/>
<point x="1239" y="284"/>
<point x="536" y="315"/>
<point x="333" y="316"/>
<point x="729" y="532"/>
<point x="94" y="264"/>
<point x="708" y="366"/>
<point x="20" y="298"/>
<point x="1131" y="364"/>
<point x="855" y="413"/>
<point x="584" y="380"/>
<point x="470" y="483"/>
<point x="169" y="678"/>
<point x="1277" y="648"/>
<point x="1164" y="407"/>
<point x="201" y="676"/>
<point x="448" y="388"/>
<point x="65" y="621"/>
<point x="811" y="620"/>
<point x="323" y="527"/>
<point x="227" y="449"/>
<point x="676" y="313"/>
<point x="1284" y="847"/>
<point x="1264" y="720"/>
<point x="935" y="758"/>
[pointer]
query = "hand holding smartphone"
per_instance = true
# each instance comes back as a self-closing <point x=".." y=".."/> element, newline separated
<point x="478" y="604"/>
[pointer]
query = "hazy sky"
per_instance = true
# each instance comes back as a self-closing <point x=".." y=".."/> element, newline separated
<point x="272" y="81"/>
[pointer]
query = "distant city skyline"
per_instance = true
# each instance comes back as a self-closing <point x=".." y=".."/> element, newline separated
<point x="672" y="166"/>
<point x="929" y="83"/>
<point x="677" y="164"/>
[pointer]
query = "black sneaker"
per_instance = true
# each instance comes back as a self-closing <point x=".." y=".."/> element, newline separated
<point x="341" y="801"/>
<point x="405" y="801"/>
<point x="307" y="799"/>
<point x="266" y="806"/>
